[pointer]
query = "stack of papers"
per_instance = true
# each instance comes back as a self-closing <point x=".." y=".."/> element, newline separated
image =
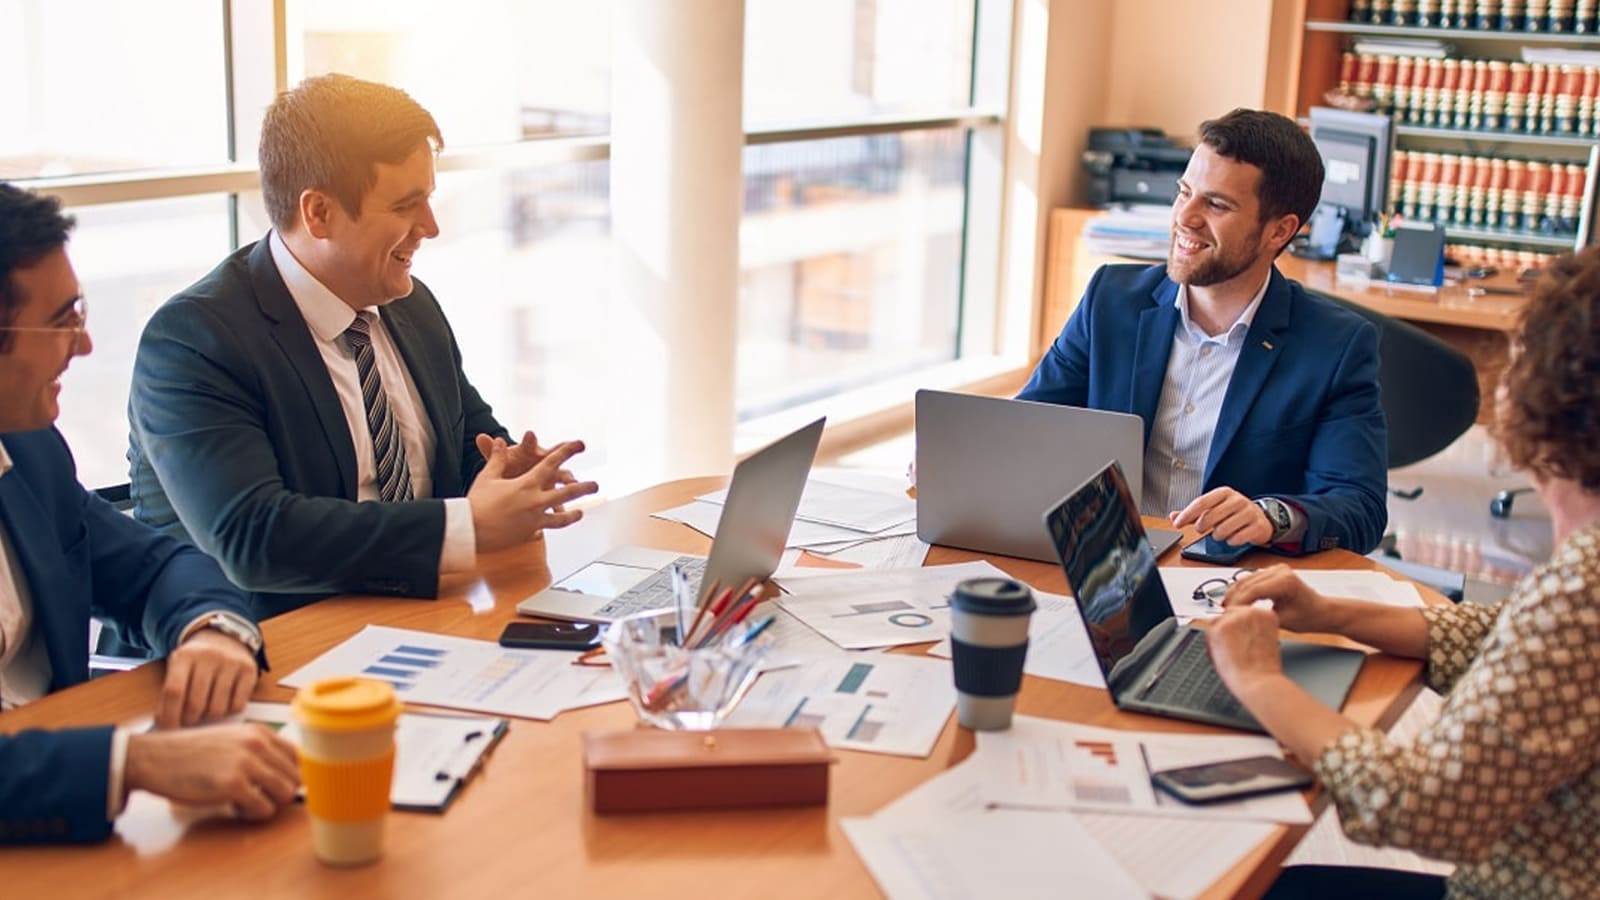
<point x="956" y="836"/>
<point x="873" y="525"/>
<point x="1141" y="232"/>
<point x="436" y="670"/>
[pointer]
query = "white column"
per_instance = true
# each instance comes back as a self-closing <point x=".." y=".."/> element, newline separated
<point x="676" y="197"/>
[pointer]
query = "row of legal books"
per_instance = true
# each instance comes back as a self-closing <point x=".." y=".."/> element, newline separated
<point x="1555" y="16"/>
<point x="1489" y="193"/>
<point x="1478" y="94"/>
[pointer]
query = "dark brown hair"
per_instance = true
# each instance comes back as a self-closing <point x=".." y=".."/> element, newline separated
<point x="1548" y="416"/>
<point x="1291" y="167"/>
<point x="32" y="226"/>
<point x="329" y="134"/>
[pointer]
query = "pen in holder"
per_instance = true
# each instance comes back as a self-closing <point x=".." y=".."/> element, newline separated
<point x="689" y="677"/>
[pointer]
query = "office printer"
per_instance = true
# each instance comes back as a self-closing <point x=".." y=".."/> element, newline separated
<point x="1133" y="165"/>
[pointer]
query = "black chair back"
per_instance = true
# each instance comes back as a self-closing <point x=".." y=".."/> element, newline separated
<point x="1429" y="388"/>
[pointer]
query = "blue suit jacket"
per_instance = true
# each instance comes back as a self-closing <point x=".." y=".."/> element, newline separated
<point x="239" y="442"/>
<point x="1300" y="420"/>
<point x="79" y="556"/>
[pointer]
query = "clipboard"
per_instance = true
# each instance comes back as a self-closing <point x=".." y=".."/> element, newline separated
<point x="436" y="754"/>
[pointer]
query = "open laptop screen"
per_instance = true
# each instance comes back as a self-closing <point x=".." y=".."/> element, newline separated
<point x="1110" y="567"/>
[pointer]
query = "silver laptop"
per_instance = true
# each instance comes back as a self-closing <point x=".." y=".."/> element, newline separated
<point x="988" y="468"/>
<point x="763" y="496"/>
<point x="1151" y="663"/>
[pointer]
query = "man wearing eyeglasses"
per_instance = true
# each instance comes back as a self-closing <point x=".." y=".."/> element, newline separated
<point x="66" y="555"/>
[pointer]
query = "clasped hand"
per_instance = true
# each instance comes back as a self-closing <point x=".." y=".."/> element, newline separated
<point x="522" y="490"/>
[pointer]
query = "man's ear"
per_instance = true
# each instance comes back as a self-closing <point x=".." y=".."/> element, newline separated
<point x="316" y="208"/>
<point x="1283" y="229"/>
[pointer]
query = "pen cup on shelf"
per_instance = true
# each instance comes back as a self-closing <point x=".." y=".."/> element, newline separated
<point x="684" y="688"/>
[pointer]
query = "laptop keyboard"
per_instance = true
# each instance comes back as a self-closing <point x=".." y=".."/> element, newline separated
<point x="1189" y="681"/>
<point x="655" y="592"/>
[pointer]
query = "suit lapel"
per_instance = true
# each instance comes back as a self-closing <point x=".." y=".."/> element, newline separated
<point x="32" y="533"/>
<point x="1153" y="347"/>
<point x="1263" y="346"/>
<point x="408" y="339"/>
<point x="293" y="337"/>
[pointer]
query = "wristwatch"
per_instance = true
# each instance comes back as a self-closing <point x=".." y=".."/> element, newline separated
<point x="231" y="625"/>
<point x="1277" y="513"/>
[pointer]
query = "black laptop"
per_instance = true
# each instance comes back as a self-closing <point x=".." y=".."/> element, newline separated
<point x="1151" y="663"/>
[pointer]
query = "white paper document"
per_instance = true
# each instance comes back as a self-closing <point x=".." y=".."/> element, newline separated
<point x="877" y="702"/>
<point x="1168" y="857"/>
<point x="433" y="755"/>
<point x="827" y="503"/>
<point x="1058" y="647"/>
<point x="866" y="608"/>
<point x="1001" y="853"/>
<point x="436" y="670"/>
<point x="703" y="516"/>
<point x="1044" y="763"/>
<point x="1175" y="857"/>
<point x="1375" y="587"/>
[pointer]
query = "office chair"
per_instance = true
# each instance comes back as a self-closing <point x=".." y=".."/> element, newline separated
<point x="1429" y="393"/>
<point x="1430" y="389"/>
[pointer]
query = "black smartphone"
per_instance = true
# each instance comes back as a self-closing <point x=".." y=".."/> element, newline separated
<point x="1211" y="550"/>
<point x="1232" y="779"/>
<point x="551" y="635"/>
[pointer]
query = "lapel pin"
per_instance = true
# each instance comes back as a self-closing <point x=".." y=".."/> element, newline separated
<point x="1267" y="344"/>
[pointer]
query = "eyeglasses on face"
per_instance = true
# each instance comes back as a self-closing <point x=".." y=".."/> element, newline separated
<point x="1212" y="590"/>
<point x="73" y="320"/>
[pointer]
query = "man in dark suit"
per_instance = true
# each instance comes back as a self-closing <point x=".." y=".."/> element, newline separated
<point x="66" y="555"/>
<point x="1260" y="402"/>
<point x="301" y="412"/>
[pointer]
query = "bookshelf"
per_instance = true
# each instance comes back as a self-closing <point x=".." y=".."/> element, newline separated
<point x="1540" y="129"/>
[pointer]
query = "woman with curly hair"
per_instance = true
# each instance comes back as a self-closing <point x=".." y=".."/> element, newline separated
<point x="1506" y="782"/>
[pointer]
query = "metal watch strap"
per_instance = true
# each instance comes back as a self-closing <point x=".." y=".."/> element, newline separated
<point x="1277" y="513"/>
<point x="235" y="628"/>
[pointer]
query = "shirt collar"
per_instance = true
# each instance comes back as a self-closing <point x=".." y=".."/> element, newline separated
<point x="324" y="312"/>
<point x="1235" y="331"/>
<point x="5" y="460"/>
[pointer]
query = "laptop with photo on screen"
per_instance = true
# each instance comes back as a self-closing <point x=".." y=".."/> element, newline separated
<point x="763" y="496"/>
<point x="1151" y="663"/>
<point x="988" y="467"/>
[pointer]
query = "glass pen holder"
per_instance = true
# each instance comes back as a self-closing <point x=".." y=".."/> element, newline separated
<point x="679" y="688"/>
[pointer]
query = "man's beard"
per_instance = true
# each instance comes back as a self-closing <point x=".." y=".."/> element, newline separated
<point x="1213" y="267"/>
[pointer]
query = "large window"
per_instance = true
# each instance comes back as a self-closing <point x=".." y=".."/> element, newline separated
<point x="854" y="249"/>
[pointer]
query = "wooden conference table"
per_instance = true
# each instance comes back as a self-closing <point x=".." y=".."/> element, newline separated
<point x="521" y="826"/>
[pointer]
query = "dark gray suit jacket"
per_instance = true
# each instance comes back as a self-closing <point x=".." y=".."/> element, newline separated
<point x="239" y="442"/>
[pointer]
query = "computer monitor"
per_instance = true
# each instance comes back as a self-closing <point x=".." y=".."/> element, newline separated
<point x="1356" y="149"/>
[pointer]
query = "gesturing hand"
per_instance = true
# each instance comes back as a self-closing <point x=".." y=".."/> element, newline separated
<point x="509" y="510"/>
<point x="1244" y="647"/>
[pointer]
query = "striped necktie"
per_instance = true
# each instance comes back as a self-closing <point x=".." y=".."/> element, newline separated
<point x="393" y="476"/>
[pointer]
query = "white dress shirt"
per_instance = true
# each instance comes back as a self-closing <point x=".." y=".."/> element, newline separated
<point x="1199" y="368"/>
<point x="327" y="316"/>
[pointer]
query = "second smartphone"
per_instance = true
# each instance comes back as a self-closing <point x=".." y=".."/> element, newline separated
<point x="551" y="635"/>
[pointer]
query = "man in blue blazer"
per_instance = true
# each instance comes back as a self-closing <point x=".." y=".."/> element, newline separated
<point x="301" y="412"/>
<point x="1260" y="402"/>
<point x="66" y="555"/>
